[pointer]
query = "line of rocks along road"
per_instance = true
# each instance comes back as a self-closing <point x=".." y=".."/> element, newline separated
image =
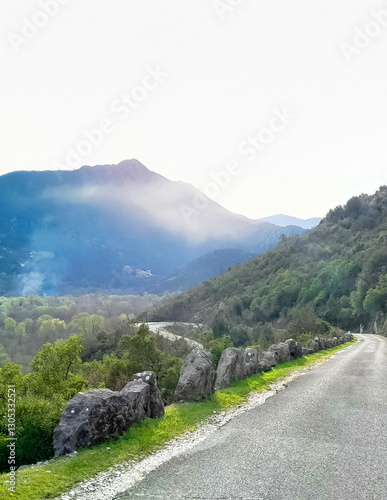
<point x="144" y="474"/>
<point x="325" y="437"/>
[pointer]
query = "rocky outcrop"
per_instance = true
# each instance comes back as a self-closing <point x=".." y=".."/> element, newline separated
<point x="156" y="400"/>
<point x="294" y="348"/>
<point x="267" y="361"/>
<point x="321" y="343"/>
<point x="97" y="415"/>
<point x="251" y="362"/>
<point x="197" y="377"/>
<point x="281" y="352"/>
<point x="231" y="367"/>
<point x="314" y="346"/>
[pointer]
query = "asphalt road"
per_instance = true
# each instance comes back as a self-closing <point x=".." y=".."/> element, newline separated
<point x="324" y="437"/>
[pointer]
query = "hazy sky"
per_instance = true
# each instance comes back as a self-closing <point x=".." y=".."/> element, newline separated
<point x="292" y="94"/>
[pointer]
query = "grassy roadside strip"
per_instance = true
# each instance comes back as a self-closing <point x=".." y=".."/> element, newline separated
<point x="48" y="481"/>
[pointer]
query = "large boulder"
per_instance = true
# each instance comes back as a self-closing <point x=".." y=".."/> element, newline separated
<point x="335" y="341"/>
<point x="281" y="352"/>
<point x="267" y="361"/>
<point x="251" y="361"/>
<point x="341" y="340"/>
<point x="156" y="400"/>
<point x="294" y="348"/>
<point x="314" y="346"/>
<point x="197" y="377"/>
<point x="231" y="367"/>
<point x="321" y="343"/>
<point x="328" y="343"/>
<point x="97" y="415"/>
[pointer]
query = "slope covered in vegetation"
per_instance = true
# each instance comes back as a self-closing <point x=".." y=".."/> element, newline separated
<point x="337" y="273"/>
<point x="58" y="372"/>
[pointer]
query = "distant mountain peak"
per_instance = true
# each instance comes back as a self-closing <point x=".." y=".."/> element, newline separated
<point x="127" y="171"/>
<point x="287" y="220"/>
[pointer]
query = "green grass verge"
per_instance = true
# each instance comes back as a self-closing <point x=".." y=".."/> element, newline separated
<point x="59" y="476"/>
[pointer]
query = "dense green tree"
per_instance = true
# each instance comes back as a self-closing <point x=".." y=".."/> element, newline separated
<point x="53" y="327"/>
<point x="376" y="298"/>
<point x="215" y="345"/>
<point x="4" y="358"/>
<point x="88" y="325"/>
<point x="141" y="351"/>
<point x="10" y="324"/>
<point x="54" y="368"/>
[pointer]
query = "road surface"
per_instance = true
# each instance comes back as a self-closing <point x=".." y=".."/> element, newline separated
<point x="322" y="438"/>
<point x="159" y="328"/>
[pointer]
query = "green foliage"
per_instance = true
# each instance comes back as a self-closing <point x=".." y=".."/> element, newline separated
<point x="215" y="345"/>
<point x="52" y="327"/>
<point x="336" y="269"/>
<point x="10" y="324"/>
<point x="112" y="372"/>
<point x="304" y="339"/>
<point x="4" y="358"/>
<point x="11" y="374"/>
<point x="376" y="298"/>
<point x="169" y="377"/>
<point x="88" y="325"/>
<point x="58" y="374"/>
<point x="36" y="417"/>
<point x="304" y="321"/>
<point x="53" y="369"/>
<point x="36" y="421"/>
<point x="141" y="351"/>
<point x="26" y="323"/>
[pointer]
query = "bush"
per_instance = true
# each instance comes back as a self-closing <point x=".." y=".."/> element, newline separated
<point x="215" y="345"/>
<point x="304" y="339"/>
<point x="36" y="420"/>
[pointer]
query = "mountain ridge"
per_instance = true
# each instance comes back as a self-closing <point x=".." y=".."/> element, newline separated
<point x="284" y="220"/>
<point x="110" y="229"/>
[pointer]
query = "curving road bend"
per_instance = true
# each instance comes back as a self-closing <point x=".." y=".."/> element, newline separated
<point x="323" y="438"/>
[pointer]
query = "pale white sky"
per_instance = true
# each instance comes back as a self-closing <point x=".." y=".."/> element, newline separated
<point x="228" y="77"/>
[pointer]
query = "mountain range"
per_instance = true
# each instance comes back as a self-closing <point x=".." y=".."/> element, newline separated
<point x="117" y="229"/>
<point x="287" y="220"/>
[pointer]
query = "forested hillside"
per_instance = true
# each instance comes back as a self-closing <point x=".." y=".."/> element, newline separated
<point x="26" y="323"/>
<point x="337" y="271"/>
